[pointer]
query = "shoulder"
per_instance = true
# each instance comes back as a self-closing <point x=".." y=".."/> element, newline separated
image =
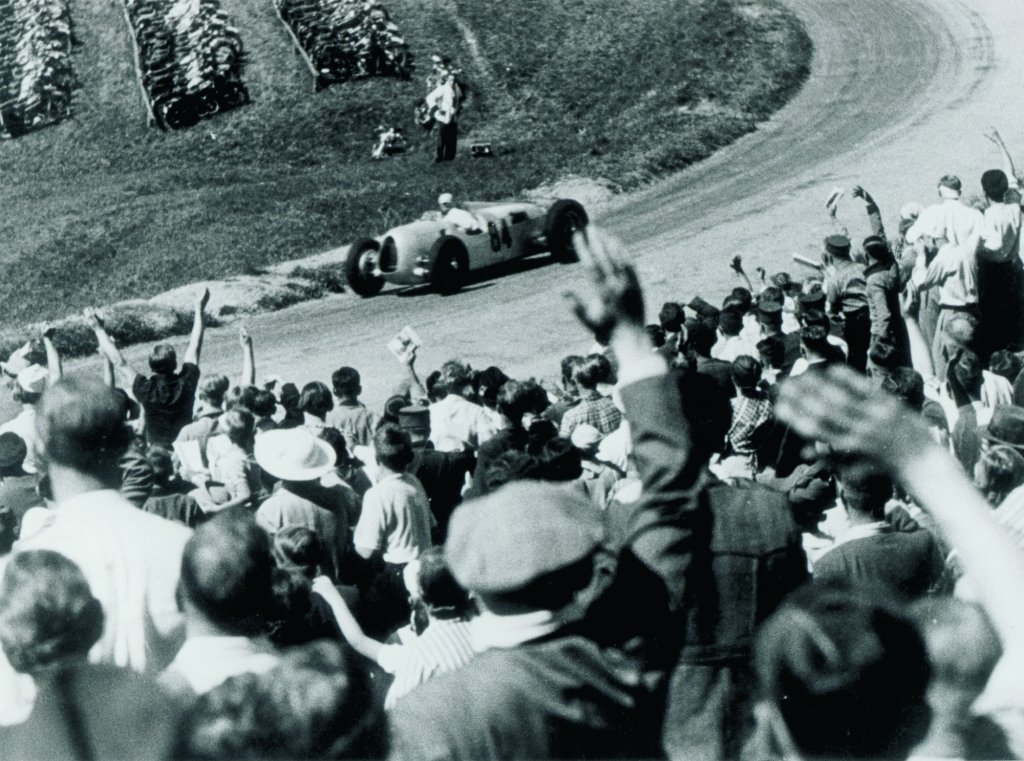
<point x="189" y="372"/>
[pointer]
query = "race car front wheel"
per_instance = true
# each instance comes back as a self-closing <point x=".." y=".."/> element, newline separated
<point x="563" y="219"/>
<point x="359" y="266"/>
<point x="450" y="265"/>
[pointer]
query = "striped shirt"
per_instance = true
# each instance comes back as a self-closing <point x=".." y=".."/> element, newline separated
<point x="442" y="647"/>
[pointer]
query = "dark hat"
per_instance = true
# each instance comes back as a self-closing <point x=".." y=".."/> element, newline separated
<point x="393" y="406"/>
<point x="414" y="418"/>
<point x="1006" y="427"/>
<point x="995" y="184"/>
<point x="703" y="308"/>
<point x="837" y="245"/>
<point x="12" y="450"/>
<point x="769" y="308"/>
<point x="525" y="530"/>
<point x="812" y="301"/>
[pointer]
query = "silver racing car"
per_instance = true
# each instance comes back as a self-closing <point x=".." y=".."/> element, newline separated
<point x="435" y="250"/>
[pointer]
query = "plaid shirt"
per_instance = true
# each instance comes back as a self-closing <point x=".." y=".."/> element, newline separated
<point x="747" y="416"/>
<point x="599" y="411"/>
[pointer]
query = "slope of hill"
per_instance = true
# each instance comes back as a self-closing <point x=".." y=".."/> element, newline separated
<point x="103" y="207"/>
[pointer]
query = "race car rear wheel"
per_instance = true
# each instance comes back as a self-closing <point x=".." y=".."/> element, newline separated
<point x="451" y="263"/>
<point x="564" y="218"/>
<point x="359" y="266"/>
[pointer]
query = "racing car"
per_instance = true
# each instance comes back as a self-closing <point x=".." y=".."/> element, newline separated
<point x="434" y="251"/>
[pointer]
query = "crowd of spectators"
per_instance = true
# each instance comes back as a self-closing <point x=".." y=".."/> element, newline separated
<point x="789" y="526"/>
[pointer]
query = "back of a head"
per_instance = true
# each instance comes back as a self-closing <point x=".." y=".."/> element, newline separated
<point x="592" y="370"/>
<point x="160" y="461"/>
<point x="814" y="338"/>
<point x="1006" y="364"/>
<point x="1000" y="470"/>
<point x="742" y="297"/>
<point x="962" y="645"/>
<point x="847" y="674"/>
<point x="671" y="317"/>
<point x="239" y="425"/>
<point x="995" y="184"/>
<point x="226" y="573"/>
<point x="865" y="489"/>
<point x="906" y="384"/>
<point x="289" y="396"/>
<point x="317" y="704"/>
<point x="163" y="360"/>
<point x="346" y="382"/>
<point x="264" y="404"/>
<point x="442" y="594"/>
<point x="773" y="351"/>
<point x="700" y="337"/>
<point x="746" y="373"/>
<point x="519" y="398"/>
<point x="81" y="425"/>
<point x="212" y="388"/>
<point x="316" y="399"/>
<point x="393" y="448"/>
<point x="730" y="322"/>
<point x="488" y="383"/>
<point x="48" y="616"/>
<point x="299" y="550"/>
<point x="558" y="460"/>
<point x="507" y="467"/>
<point x="455" y="376"/>
<point x="568" y="365"/>
<point x="708" y="414"/>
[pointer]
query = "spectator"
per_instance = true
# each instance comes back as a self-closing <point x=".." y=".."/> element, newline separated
<point x="592" y="408"/>
<point x="846" y="295"/>
<point x="316" y="704"/>
<point x="455" y="422"/>
<point x="225" y="592"/>
<point x="17" y="487"/>
<point x="264" y="405"/>
<point x="443" y="644"/>
<point x="236" y="478"/>
<point x="348" y="473"/>
<point x="350" y="416"/>
<point x="883" y="286"/>
<point x="289" y="400"/>
<point x="130" y="558"/>
<point x="730" y="343"/>
<point x="394" y="527"/>
<point x="999" y="471"/>
<point x="871" y="553"/>
<point x="167" y="396"/>
<point x="598" y="478"/>
<point x="315" y="403"/>
<point x="567" y="393"/>
<point x="211" y="392"/>
<point x="170" y="496"/>
<point x="519" y="406"/>
<point x="300" y="460"/>
<point x="300" y="616"/>
<point x="950" y="219"/>
<point x="443" y="475"/>
<point x="751" y="412"/>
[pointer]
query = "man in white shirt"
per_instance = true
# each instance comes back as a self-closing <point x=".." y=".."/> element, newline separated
<point x="131" y="558"/>
<point x="443" y="104"/>
<point x="960" y="224"/>
<point x="464" y="220"/>
<point x="226" y="577"/>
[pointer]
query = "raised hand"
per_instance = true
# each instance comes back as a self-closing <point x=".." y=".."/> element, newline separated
<point x="47" y="331"/>
<point x="615" y="297"/>
<point x="244" y="337"/>
<point x="737" y="264"/>
<point x="841" y="408"/>
<point x="203" y="300"/>
<point x="92" y="318"/>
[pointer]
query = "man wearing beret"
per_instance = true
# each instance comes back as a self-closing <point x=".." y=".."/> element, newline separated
<point x="573" y="643"/>
<point x="846" y="293"/>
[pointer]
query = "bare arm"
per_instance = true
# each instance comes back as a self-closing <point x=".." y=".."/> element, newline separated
<point x="248" y="358"/>
<point x="110" y="351"/>
<point x="52" y="355"/>
<point x="737" y="266"/>
<point x="195" y="341"/>
<point x="997" y="140"/>
<point x="845" y="411"/>
<point x="920" y="354"/>
<point x="417" y="391"/>
<point x="874" y="215"/>
<point x="350" y="628"/>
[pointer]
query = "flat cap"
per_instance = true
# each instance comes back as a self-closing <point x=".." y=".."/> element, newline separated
<point x="414" y="417"/>
<point x="812" y="300"/>
<point x="838" y="245"/>
<point x="527" y="529"/>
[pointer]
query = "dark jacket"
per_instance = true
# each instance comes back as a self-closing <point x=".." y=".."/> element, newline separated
<point x="883" y="293"/>
<point x="443" y="474"/>
<point x="592" y="689"/>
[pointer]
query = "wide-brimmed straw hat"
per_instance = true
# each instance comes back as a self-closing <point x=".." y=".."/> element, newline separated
<point x="293" y="454"/>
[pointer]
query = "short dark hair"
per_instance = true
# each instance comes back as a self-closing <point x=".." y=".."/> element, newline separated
<point x="81" y="425"/>
<point x="455" y="376"/>
<point x="906" y="384"/>
<point x="773" y="351"/>
<point x="393" y="447"/>
<point x="671" y="317"/>
<point x="213" y="388"/>
<point x="442" y="594"/>
<point x="730" y="322"/>
<point x="1005" y="363"/>
<point x="227" y="571"/>
<point x="657" y="335"/>
<point x="298" y="549"/>
<point x="163" y="360"/>
<point x="317" y="703"/>
<point x="239" y="426"/>
<point x="488" y="383"/>
<point x="316" y="399"/>
<point x="47" y="613"/>
<point x="865" y="489"/>
<point x="264" y="404"/>
<point x="700" y="337"/>
<point x="516" y="399"/>
<point x="558" y="460"/>
<point x="847" y="673"/>
<point x="289" y="396"/>
<point x="346" y="381"/>
<point x="507" y="467"/>
<point x="592" y="370"/>
<point x="568" y="364"/>
<point x="160" y="461"/>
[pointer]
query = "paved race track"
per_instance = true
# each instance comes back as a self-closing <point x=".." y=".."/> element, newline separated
<point x="900" y="93"/>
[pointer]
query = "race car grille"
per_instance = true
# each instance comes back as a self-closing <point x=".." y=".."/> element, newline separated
<point x="388" y="261"/>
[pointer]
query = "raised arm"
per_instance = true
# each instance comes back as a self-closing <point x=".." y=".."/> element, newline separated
<point x="350" y="628"/>
<point x="110" y="351"/>
<point x="874" y="215"/>
<point x="52" y="355"/>
<point x="1008" y="167"/>
<point x="737" y="266"/>
<point x="920" y="354"/>
<point x="195" y="341"/>
<point x="843" y="409"/>
<point x="248" y="377"/>
<point x="417" y="391"/>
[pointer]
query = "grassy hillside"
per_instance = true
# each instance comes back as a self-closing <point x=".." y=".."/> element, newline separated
<point x="102" y="208"/>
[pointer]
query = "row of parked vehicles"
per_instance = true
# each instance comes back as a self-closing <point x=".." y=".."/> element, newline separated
<point x="36" y="78"/>
<point x="189" y="57"/>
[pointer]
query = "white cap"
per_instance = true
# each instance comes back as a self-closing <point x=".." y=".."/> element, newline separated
<point x="445" y="198"/>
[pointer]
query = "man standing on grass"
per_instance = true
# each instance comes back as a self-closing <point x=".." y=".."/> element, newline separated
<point x="167" y="396"/>
<point x="443" y="102"/>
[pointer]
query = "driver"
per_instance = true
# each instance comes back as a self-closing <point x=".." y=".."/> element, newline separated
<point x="465" y="220"/>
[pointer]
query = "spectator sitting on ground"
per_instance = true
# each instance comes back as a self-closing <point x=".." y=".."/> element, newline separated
<point x="592" y="408"/>
<point x="29" y="384"/>
<point x="170" y="497"/>
<point x="167" y="396"/>
<point x="18" y="489"/>
<point x="225" y="593"/>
